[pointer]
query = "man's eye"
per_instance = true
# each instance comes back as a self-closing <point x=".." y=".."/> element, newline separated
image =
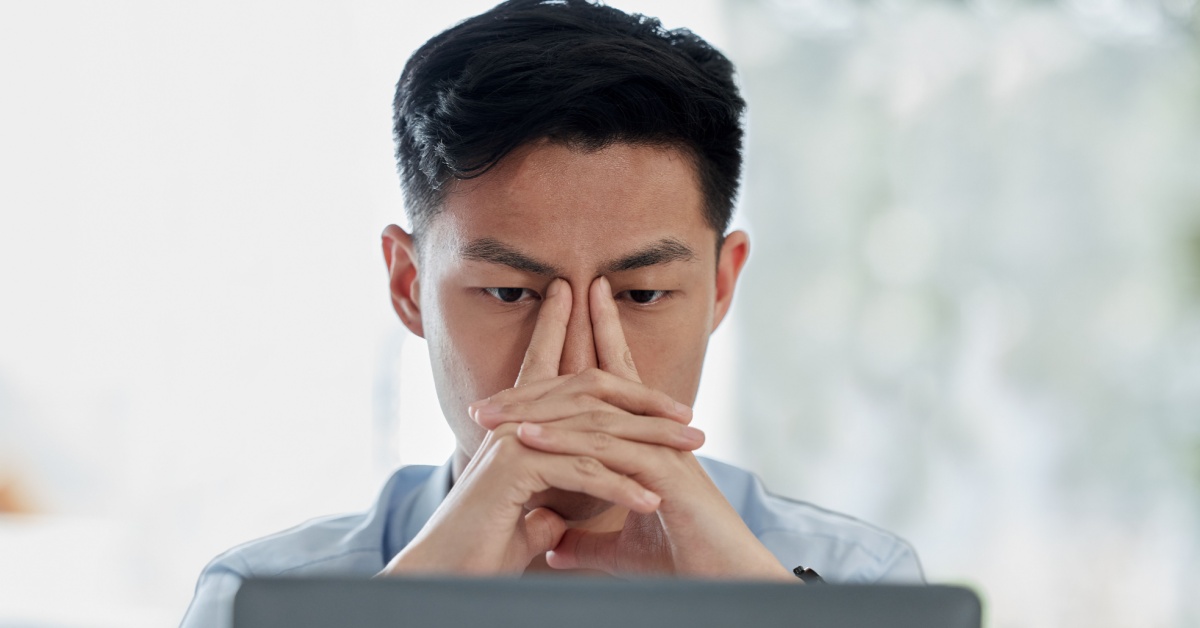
<point x="510" y="295"/>
<point x="645" y="297"/>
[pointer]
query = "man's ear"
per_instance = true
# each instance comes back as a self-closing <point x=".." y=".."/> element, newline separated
<point x="403" y="279"/>
<point x="730" y="261"/>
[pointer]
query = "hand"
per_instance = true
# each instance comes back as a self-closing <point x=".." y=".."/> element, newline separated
<point x="483" y="526"/>
<point x="608" y="415"/>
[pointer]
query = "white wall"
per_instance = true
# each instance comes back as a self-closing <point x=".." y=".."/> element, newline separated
<point x="196" y="344"/>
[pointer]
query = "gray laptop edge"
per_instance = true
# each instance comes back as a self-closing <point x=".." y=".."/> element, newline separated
<point x="575" y="602"/>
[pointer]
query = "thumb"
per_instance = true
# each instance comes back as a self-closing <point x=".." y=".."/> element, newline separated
<point x="543" y="530"/>
<point x="580" y="549"/>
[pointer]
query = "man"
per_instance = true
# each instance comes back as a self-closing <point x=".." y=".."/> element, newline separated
<point x="569" y="173"/>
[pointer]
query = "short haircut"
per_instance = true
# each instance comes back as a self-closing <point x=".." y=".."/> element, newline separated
<point x="570" y="71"/>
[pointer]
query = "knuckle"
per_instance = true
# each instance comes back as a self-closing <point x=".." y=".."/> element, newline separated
<point x="592" y="375"/>
<point x="602" y="421"/>
<point x="627" y="357"/>
<point x="600" y="441"/>
<point x="588" y="467"/>
<point x="600" y="383"/>
<point x="507" y="445"/>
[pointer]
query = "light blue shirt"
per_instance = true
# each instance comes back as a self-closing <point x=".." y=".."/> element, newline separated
<point x="840" y="548"/>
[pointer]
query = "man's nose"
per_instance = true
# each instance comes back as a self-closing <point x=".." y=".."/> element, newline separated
<point x="579" y="349"/>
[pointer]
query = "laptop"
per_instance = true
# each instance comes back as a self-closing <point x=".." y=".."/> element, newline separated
<point x="578" y="602"/>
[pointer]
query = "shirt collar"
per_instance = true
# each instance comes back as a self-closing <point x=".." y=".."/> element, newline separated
<point x="412" y="514"/>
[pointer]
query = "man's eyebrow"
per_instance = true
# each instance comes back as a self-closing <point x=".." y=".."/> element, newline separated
<point x="664" y="251"/>
<point x="494" y="251"/>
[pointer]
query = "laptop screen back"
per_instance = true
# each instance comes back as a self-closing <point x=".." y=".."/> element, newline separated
<point x="593" y="603"/>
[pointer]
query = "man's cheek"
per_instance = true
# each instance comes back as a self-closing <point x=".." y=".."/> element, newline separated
<point x="489" y="352"/>
<point x="668" y="354"/>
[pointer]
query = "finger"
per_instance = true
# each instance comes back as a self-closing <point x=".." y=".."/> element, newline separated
<point x="580" y="549"/>
<point x="554" y="404"/>
<point x="549" y="334"/>
<point x="627" y="457"/>
<point x="528" y="392"/>
<point x="612" y="351"/>
<point x="580" y="474"/>
<point x="551" y="408"/>
<point x="624" y="426"/>
<point x="543" y="529"/>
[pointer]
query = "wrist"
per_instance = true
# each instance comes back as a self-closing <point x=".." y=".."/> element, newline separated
<point x="409" y="562"/>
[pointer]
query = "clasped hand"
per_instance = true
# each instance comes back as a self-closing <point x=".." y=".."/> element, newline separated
<point x="602" y="433"/>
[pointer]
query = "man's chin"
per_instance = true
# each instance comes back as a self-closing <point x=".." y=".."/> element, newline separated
<point x="569" y="505"/>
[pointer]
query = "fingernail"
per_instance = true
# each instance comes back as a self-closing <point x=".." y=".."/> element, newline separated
<point x="554" y="287"/>
<point x="531" y="429"/>
<point x="693" y="435"/>
<point x="650" y="499"/>
<point x="486" y="411"/>
<point x="682" y="409"/>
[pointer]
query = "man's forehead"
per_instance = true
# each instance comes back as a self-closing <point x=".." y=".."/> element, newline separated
<point x="557" y="183"/>
<point x="551" y="207"/>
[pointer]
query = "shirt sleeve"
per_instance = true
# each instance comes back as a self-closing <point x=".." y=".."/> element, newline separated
<point x="212" y="604"/>
<point x="903" y="568"/>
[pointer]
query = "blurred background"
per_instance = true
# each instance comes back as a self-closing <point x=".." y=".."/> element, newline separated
<point x="971" y="314"/>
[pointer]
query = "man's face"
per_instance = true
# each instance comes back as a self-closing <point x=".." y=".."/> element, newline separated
<point x="633" y="214"/>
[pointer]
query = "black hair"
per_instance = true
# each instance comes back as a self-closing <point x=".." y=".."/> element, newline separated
<point x="571" y="71"/>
